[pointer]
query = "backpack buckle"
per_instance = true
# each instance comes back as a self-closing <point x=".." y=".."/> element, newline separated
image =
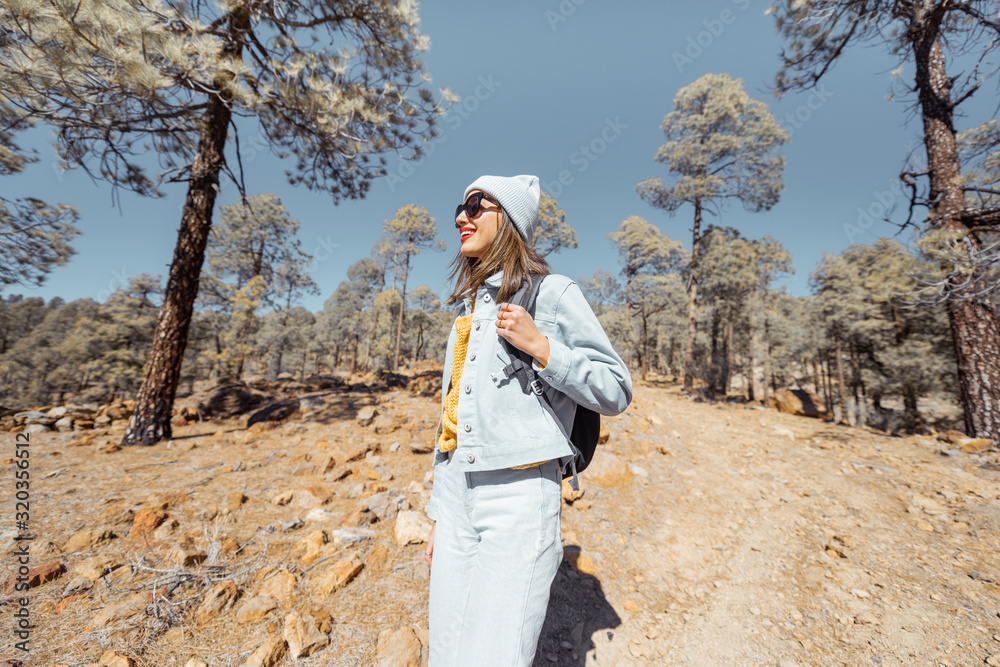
<point x="536" y="387"/>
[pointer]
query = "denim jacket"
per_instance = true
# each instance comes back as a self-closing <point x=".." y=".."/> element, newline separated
<point x="499" y="425"/>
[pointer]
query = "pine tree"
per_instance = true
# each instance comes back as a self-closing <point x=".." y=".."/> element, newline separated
<point x="720" y="146"/>
<point x="255" y="238"/>
<point x="330" y="83"/>
<point x="647" y="257"/>
<point x="34" y="236"/>
<point x="819" y="32"/>
<point x="111" y="345"/>
<point x="554" y="233"/>
<point x="403" y="237"/>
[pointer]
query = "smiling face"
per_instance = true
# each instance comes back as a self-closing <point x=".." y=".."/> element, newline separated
<point x="476" y="234"/>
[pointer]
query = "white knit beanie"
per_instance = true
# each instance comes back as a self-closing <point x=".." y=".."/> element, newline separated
<point x="518" y="195"/>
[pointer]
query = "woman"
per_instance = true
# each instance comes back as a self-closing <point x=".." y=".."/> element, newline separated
<point x="500" y="455"/>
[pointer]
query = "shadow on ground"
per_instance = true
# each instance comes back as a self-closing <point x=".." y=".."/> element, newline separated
<point x="577" y="611"/>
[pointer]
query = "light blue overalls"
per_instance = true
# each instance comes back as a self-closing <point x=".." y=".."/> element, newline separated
<point x="497" y="543"/>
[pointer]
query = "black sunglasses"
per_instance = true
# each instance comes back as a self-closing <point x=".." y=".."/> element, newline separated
<point x="471" y="205"/>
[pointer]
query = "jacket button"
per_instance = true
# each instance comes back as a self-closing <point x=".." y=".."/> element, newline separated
<point x="468" y="389"/>
<point x="468" y="427"/>
<point x="477" y="326"/>
<point x="473" y="357"/>
<point x="470" y="458"/>
<point x="486" y="298"/>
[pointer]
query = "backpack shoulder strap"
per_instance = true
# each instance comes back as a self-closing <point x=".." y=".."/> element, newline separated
<point x="520" y="364"/>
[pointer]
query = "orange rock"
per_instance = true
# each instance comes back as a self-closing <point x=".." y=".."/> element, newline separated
<point x="399" y="648"/>
<point x="311" y="546"/>
<point x="227" y="544"/>
<point x="319" y="493"/>
<point x="337" y="576"/>
<point x="256" y="609"/>
<point x="268" y="654"/>
<point x="378" y="557"/>
<point x="951" y="436"/>
<point x="234" y="501"/>
<point x="324" y="621"/>
<point x="281" y="587"/>
<point x="361" y="516"/>
<point x="45" y="573"/>
<point x="146" y="521"/>
<point x="975" y="445"/>
<point x="800" y="402"/>
<point x="219" y="598"/>
<point x="260" y="427"/>
<point x="84" y="540"/>
<point x="329" y="463"/>
<point x="66" y="602"/>
<point x="119" y="513"/>
<point x="581" y="561"/>
<point x="115" y="659"/>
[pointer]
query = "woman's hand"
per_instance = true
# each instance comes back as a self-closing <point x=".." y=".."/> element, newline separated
<point x="429" y="551"/>
<point x="515" y="324"/>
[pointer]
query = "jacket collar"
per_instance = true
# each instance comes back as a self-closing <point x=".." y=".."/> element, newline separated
<point x="492" y="282"/>
<point x="495" y="280"/>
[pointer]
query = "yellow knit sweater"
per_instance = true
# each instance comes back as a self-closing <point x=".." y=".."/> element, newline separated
<point x="449" y="417"/>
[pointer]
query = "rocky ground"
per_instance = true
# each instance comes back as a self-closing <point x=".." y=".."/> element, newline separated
<point x="708" y="534"/>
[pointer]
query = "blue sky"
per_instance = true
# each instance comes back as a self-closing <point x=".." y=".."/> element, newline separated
<point x="541" y="81"/>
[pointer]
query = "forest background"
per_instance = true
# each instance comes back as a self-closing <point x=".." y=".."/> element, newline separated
<point x="746" y="266"/>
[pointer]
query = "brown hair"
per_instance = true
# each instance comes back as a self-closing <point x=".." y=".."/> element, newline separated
<point x="508" y="252"/>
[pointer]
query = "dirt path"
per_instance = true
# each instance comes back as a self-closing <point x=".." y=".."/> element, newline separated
<point x="760" y="538"/>
<point x="708" y="534"/>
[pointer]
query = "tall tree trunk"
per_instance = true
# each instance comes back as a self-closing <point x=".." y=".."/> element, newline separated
<point x="974" y="321"/>
<point x="909" y="392"/>
<point x="767" y="353"/>
<point x="860" y="403"/>
<point x="692" y="328"/>
<point x="841" y="394"/>
<point x="751" y="362"/>
<point x="402" y="308"/>
<point x="816" y="379"/>
<point x="354" y="355"/>
<point x="276" y="366"/>
<point x="727" y="359"/>
<point x="828" y="383"/>
<point x="645" y="344"/>
<point x="371" y="338"/>
<point x="150" y="422"/>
